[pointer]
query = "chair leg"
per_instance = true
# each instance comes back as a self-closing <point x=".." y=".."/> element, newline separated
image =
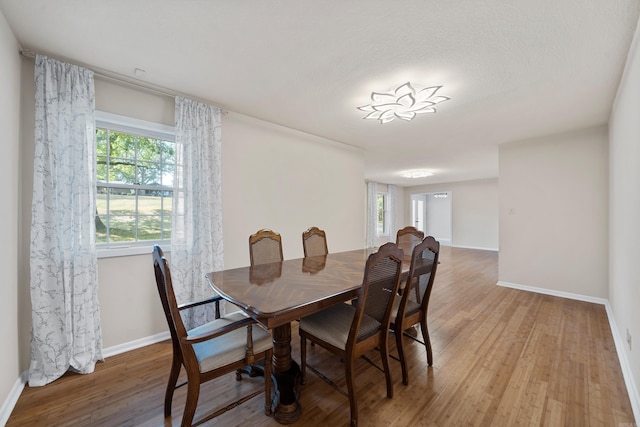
<point x="349" y="376"/>
<point x="399" y="345"/>
<point x="384" y="354"/>
<point x="303" y="358"/>
<point x="171" y="385"/>
<point x="427" y="341"/>
<point x="193" y="392"/>
<point x="267" y="382"/>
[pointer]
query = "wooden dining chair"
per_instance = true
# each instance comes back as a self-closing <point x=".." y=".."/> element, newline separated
<point x="225" y="345"/>
<point x="351" y="331"/>
<point x="314" y="242"/>
<point x="265" y="246"/>
<point x="412" y="307"/>
<point x="407" y="238"/>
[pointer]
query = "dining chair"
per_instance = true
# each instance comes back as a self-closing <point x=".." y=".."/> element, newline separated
<point x="351" y="331"/>
<point x="265" y="246"/>
<point x="412" y="307"/>
<point x="314" y="242"/>
<point x="224" y="345"/>
<point x="407" y="238"/>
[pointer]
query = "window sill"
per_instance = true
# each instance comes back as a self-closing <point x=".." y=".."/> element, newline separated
<point x="113" y="252"/>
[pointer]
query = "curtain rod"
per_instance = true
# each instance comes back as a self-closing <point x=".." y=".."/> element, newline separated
<point x="121" y="78"/>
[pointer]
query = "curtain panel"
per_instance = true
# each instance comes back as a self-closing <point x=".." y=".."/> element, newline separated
<point x="66" y="333"/>
<point x="392" y="208"/>
<point x="196" y="237"/>
<point x="372" y="214"/>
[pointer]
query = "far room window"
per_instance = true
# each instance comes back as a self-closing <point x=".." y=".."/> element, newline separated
<point x="135" y="168"/>
<point x="383" y="201"/>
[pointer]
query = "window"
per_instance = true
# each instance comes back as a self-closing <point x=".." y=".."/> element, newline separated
<point x="135" y="167"/>
<point x="383" y="201"/>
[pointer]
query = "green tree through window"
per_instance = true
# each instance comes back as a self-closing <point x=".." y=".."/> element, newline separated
<point x="135" y="186"/>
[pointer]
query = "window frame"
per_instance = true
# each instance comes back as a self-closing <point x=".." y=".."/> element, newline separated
<point x="140" y="127"/>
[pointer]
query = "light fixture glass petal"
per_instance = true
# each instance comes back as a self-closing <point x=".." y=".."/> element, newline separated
<point x="404" y="103"/>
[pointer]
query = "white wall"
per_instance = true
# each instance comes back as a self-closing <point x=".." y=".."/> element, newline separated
<point x="474" y="207"/>
<point x="624" y="187"/>
<point x="554" y="212"/>
<point x="272" y="177"/>
<point x="9" y="172"/>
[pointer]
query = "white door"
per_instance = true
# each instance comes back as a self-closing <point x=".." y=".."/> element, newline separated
<point x="418" y="211"/>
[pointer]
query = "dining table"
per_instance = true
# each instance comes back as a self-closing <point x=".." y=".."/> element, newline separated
<point x="276" y="294"/>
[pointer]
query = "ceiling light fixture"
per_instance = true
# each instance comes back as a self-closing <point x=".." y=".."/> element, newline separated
<point x="416" y="173"/>
<point x="403" y="103"/>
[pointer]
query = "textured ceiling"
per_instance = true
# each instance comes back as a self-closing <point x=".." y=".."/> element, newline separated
<point x="514" y="69"/>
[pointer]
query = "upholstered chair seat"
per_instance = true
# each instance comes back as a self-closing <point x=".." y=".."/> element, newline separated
<point x="227" y="348"/>
<point x="332" y="325"/>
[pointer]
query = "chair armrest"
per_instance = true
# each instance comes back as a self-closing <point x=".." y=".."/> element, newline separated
<point x="215" y="299"/>
<point x="221" y="331"/>
<point x="186" y="305"/>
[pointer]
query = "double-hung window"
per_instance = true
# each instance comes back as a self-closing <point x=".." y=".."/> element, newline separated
<point x="135" y="167"/>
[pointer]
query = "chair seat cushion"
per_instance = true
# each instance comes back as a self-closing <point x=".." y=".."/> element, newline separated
<point x="333" y="324"/>
<point x="230" y="347"/>
<point x="412" y="307"/>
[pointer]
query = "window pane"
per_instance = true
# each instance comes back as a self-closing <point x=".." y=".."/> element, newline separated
<point x="149" y="227"/>
<point x="122" y="201"/>
<point x="149" y="173"/>
<point x="101" y="142"/>
<point x="122" y="145"/>
<point x="122" y="228"/>
<point x="101" y="168"/>
<point x="122" y="171"/>
<point x="149" y="149"/>
<point x="168" y="172"/>
<point x="166" y="227"/>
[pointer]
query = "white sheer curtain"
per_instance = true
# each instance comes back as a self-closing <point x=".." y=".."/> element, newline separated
<point x="392" y="189"/>
<point x="196" y="239"/>
<point x="66" y="332"/>
<point x="372" y="214"/>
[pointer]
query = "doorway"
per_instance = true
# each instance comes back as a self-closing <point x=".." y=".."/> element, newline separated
<point x="431" y="213"/>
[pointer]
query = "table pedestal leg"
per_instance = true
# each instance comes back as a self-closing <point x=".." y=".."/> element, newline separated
<point x="286" y="373"/>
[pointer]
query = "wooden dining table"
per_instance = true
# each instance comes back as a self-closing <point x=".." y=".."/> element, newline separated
<point x="278" y="293"/>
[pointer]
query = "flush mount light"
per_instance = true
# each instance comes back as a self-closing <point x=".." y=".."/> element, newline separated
<point x="416" y="173"/>
<point x="403" y="103"/>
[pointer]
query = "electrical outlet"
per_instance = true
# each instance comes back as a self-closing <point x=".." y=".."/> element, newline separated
<point x="629" y="339"/>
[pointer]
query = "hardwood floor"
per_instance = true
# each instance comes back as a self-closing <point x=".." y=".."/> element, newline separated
<point x="502" y="357"/>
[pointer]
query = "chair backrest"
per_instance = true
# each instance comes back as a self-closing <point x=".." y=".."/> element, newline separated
<point x="422" y="272"/>
<point x="379" y="288"/>
<point x="408" y="237"/>
<point x="265" y="247"/>
<point x="314" y="242"/>
<point x="168" y="299"/>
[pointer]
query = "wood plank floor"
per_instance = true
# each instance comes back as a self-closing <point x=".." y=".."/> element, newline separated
<point x="502" y="357"/>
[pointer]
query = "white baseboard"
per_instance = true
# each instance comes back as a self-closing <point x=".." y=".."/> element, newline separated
<point x="12" y="399"/>
<point x="132" y="345"/>
<point x="627" y="374"/>
<point x="474" y="247"/>
<point x="553" y="292"/>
